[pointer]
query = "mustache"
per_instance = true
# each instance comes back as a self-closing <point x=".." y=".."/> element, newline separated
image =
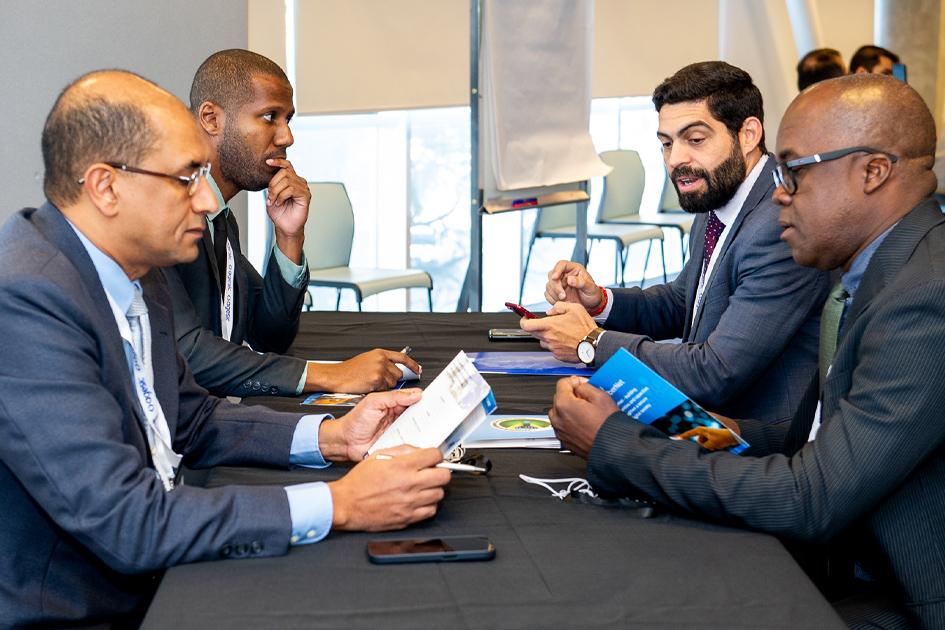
<point x="688" y="171"/>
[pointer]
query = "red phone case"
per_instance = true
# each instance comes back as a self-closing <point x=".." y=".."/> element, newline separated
<point x="520" y="310"/>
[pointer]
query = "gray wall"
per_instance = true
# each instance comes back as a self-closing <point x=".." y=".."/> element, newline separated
<point x="45" y="44"/>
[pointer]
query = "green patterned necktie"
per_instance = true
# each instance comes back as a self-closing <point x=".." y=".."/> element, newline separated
<point x="830" y="328"/>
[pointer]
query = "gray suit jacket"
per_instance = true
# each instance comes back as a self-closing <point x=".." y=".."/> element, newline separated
<point x="266" y="316"/>
<point x="873" y="482"/>
<point x="86" y="525"/>
<point x="753" y="347"/>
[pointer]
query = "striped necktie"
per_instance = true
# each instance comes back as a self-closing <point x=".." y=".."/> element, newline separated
<point x="830" y="328"/>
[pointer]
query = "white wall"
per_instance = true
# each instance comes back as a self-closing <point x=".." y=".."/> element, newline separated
<point x="45" y="44"/>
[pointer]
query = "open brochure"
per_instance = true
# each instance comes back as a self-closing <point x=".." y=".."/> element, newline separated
<point x="647" y="397"/>
<point x="451" y="407"/>
<point x="513" y="431"/>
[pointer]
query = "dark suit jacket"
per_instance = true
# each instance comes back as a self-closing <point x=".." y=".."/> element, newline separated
<point x="86" y="525"/>
<point x="266" y="316"/>
<point x="754" y="344"/>
<point x="873" y="482"/>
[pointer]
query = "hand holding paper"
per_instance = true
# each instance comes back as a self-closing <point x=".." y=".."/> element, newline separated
<point x="452" y="406"/>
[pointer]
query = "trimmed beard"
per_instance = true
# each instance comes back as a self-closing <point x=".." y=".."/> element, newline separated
<point x="237" y="164"/>
<point x="721" y="183"/>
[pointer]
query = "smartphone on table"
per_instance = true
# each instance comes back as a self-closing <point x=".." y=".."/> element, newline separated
<point x="438" y="549"/>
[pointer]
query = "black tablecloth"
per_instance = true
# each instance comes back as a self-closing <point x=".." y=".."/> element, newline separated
<point x="558" y="563"/>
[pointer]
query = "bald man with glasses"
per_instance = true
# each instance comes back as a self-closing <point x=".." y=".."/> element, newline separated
<point x="856" y="483"/>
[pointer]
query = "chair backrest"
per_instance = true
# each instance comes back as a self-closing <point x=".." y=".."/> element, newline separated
<point x="669" y="200"/>
<point x="623" y="186"/>
<point x="329" y="230"/>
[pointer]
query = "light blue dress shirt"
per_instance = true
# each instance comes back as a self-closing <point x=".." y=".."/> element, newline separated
<point x="310" y="505"/>
<point x="852" y="278"/>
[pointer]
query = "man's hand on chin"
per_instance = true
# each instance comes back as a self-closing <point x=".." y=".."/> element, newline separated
<point x="566" y="325"/>
<point x="579" y="411"/>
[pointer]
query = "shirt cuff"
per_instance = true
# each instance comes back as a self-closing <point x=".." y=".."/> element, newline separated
<point x="304" y="450"/>
<point x="303" y="378"/>
<point x="602" y="317"/>
<point x="311" y="510"/>
<point x="293" y="274"/>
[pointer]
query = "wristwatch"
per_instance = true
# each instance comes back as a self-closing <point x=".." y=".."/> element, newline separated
<point x="587" y="347"/>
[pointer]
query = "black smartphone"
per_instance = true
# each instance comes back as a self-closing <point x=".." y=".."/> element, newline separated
<point x="443" y="549"/>
<point x="510" y="334"/>
<point x="899" y="72"/>
<point x="520" y="310"/>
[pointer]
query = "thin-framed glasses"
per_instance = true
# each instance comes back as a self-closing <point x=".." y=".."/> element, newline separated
<point x="783" y="172"/>
<point x="189" y="181"/>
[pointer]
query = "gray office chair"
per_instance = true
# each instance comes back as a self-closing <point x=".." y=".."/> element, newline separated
<point x="329" y="233"/>
<point x="624" y="208"/>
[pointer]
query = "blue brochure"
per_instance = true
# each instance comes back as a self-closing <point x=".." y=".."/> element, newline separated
<point x="646" y="396"/>
<point x="541" y="363"/>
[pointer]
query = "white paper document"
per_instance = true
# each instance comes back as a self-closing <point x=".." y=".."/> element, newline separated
<point x="451" y="407"/>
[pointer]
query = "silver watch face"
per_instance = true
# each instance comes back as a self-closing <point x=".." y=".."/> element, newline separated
<point x="585" y="352"/>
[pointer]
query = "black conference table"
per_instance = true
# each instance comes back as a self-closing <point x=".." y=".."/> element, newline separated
<point x="563" y="564"/>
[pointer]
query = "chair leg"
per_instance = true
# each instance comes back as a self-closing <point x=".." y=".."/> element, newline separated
<point x="646" y="262"/>
<point x="337" y="299"/>
<point x="430" y="298"/>
<point x="663" y="261"/>
<point x="624" y="259"/>
<point x="357" y="296"/>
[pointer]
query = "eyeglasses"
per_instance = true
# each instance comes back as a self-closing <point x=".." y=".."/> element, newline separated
<point x="190" y="182"/>
<point x="784" y="171"/>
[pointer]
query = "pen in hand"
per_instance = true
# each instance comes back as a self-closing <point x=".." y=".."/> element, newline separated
<point x="447" y="465"/>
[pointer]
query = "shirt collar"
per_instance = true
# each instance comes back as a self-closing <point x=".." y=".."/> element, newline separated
<point x="729" y="212"/>
<point x="113" y="278"/>
<point x="851" y="279"/>
<point x="221" y="204"/>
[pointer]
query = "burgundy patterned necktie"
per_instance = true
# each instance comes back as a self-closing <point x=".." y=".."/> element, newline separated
<point x="713" y="229"/>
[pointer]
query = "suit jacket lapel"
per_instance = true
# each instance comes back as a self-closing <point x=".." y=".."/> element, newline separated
<point x="891" y="256"/>
<point x="697" y="244"/>
<point x="163" y="349"/>
<point x="50" y="222"/>
<point x="760" y="191"/>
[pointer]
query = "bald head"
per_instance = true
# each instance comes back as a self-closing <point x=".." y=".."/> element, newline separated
<point x="834" y="207"/>
<point x="871" y="110"/>
<point x="103" y="116"/>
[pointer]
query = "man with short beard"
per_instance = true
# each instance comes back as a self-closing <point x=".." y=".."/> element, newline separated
<point x="243" y="104"/>
<point x="747" y="314"/>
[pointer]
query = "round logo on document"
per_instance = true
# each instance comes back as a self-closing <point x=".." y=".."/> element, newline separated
<point x="521" y="425"/>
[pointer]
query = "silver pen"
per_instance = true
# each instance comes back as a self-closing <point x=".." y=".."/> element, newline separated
<point x="446" y="465"/>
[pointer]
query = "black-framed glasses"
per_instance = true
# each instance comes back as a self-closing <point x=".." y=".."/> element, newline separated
<point x="189" y="181"/>
<point x="784" y="171"/>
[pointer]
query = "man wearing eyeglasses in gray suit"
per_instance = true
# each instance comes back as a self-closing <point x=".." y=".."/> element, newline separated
<point x="857" y="481"/>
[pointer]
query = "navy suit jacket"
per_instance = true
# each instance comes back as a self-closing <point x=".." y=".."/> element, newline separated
<point x="266" y="316"/>
<point x="872" y="484"/>
<point x="753" y="347"/>
<point x="86" y="525"/>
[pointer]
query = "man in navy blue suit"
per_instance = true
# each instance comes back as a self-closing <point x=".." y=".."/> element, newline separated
<point x="243" y="105"/>
<point x="98" y="411"/>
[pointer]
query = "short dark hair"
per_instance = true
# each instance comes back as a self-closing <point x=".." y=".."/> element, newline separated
<point x="225" y="78"/>
<point x="728" y="92"/>
<point x="868" y="56"/>
<point x="819" y="65"/>
<point x="82" y="130"/>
